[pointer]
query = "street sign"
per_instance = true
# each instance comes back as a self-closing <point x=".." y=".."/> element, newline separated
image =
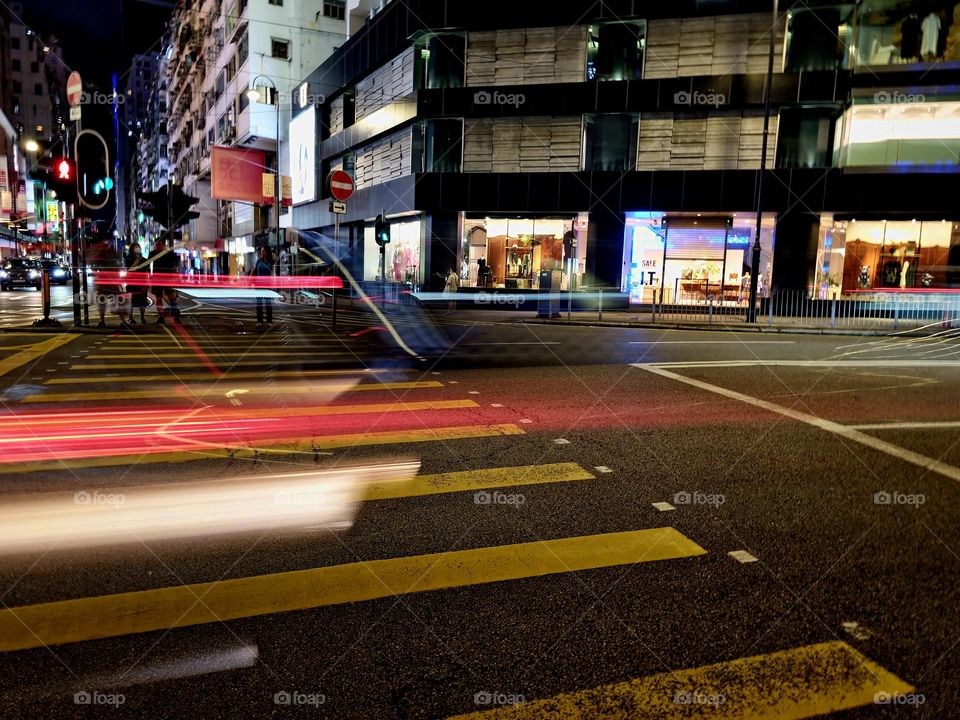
<point x="341" y="185"/>
<point x="338" y="208"/>
<point x="74" y="90"/>
<point x="75" y="113"/>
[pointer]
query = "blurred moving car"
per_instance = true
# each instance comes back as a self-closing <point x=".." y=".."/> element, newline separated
<point x="59" y="273"/>
<point x="21" y="272"/>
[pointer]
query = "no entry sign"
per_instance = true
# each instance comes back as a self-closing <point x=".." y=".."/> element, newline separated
<point x="341" y="185"/>
<point x="74" y="89"/>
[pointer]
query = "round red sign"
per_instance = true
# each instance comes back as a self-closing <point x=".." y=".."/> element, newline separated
<point x="341" y="185"/>
<point x="74" y="89"/>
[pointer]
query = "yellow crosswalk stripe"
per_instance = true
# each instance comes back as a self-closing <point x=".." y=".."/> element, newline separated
<point x="791" y="684"/>
<point x="144" y="365"/>
<point x="216" y="353"/>
<point x="478" y="480"/>
<point x="81" y="379"/>
<point x="220" y="389"/>
<point x="106" y="616"/>
<point x="277" y="446"/>
<point x="33" y="353"/>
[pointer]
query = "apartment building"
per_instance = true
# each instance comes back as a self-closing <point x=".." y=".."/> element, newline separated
<point x="620" y="143"/>
<point x="219" y="50"/>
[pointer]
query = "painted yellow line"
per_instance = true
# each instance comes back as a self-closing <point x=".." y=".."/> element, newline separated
<point x="120" y="379"/>
<point x="237" y="353"/>
<point x="106" y="616"/>
<point x="222" y="388"/>
<point x="791" y="684"/>
<point x="34" y="353"/>
<point x="478" y="480"/>
<point x="280" y="446"/>
<point x="265" y="364"/>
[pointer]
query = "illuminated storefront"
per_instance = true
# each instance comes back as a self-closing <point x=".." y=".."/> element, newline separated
<point x="511" y="252"/>
<point x="856" y="256"/>
<point x="684" y="258"/>
<point x="404" y="252"/>
<point x="901" y="32"/>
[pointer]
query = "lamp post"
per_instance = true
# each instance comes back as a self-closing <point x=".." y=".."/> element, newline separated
<point x="254" y="96"/>
<point x="755" y="255"/>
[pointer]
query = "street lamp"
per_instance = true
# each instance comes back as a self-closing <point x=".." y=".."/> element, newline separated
<point x="31" y="146"/>
<point x="253" y="94"/>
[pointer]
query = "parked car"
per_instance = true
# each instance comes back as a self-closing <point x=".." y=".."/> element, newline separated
<point x="21" y="272"/>
<point x="59" y="273"/>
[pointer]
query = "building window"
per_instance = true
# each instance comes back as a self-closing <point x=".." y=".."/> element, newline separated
<point x="244" y="101"/>
<point x="897" y="32"/>
<point x="278" y="3"/>
<point x="243" y="46"/>
<point x="17" y="87"/>
<point x="610" y="142"/>
<point x="38" y="89"/>
<point x="15" y="65"/>
<point x="221" y="84"/>
<point x="805" y="137"/>
<point x="280" y="48"/>
<point x="334" y="9"/>
<point x="443" y="61"/>
<point x="443" y="145"/>
<point x="15" y="43"/>
<point x="819" y="38"/>
<point x="34" y="67"/>
<point x="615" y="50"/>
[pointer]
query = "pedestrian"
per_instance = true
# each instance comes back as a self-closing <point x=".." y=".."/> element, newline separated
<point x="136" y="263"/>
<point x="165" y="265"/>
<point x="103" y="256"/>
<point x="264" y="268"/>
<point x="450" y="289"/>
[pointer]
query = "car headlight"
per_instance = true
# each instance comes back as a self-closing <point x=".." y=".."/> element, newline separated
<point x="3" y="274"/>
<point x="58" y="272"/>
<point x="33" y="274"/>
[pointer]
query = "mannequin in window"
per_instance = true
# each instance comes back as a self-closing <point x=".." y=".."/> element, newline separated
<point x="910" y="37"/>
<point x="931" y="36"/>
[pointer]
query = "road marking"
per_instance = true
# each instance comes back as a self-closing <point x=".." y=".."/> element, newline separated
<point x="603" y="469"/>
<point x="220" y="354"/>
<point x="908" y="426"/>
<point x="742" y="556"/>
<point x="225" y="363"/>
<point x="91" y="618"/>
<point x="525" y="421"/>
<point x="497" y="344"/>
<point x="473" y="392"/>
<point x="478" y="480"/>
<point x="269" y="374"/>
<point x="277" y="446"/>
<point x="34" y="353"/>
<point x="167" y="330"/>
<point x="712" y="342"/>
<point x="562" y="441"/>
<point x="221" y="390"/>
<point x="802" y="682"/>
<point x="496" y="404"/>
<point x="836" y="364"/>
<point x="663" y="506"/>
<point x="927" y="463"/>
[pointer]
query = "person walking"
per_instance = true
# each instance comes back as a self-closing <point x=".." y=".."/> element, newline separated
<point x="450" y="289"/>
<point x="104" y="256"/>
<point x="136" y="263"/>
<point x="165" y="263"/>
<point x="263" y="268"/>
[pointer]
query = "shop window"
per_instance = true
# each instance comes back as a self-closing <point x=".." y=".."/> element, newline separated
<point x="819" y="38"/>
<point x="615" y="50"/>
<point x="897" y="32"/>
<point x="610" y="142"/>
<point x="443" y="145"/>
<point x="901" y="129"/>
<point x="805" y="137"/>
<point x="402" y="255"/>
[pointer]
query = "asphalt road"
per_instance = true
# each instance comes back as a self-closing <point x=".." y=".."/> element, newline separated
<point x="530" y="562"/>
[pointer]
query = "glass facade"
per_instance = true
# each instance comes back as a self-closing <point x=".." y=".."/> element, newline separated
<point x="403" y="253"/>
<point x="510" y="252"/>
<point x="693" y="258"/>
<point x="615" y="50"/>
<point x="898" y="32"/>
<point x="819" y="38"/>
<point x="867" y="255"/>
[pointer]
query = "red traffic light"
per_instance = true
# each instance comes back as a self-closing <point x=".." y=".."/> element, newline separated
<point x="64" y="169"/>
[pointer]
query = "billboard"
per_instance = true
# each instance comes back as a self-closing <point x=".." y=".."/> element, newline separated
<point x="235" y="174"/>
<point x="303" y="156"/>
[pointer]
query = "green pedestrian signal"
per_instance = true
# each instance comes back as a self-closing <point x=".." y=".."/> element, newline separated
<point x="381" y="231"/>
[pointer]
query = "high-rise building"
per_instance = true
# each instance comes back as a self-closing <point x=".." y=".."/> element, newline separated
<point x="218" y="51"/>
<point x="619" y="143"/>
<point x="138" y="84"/>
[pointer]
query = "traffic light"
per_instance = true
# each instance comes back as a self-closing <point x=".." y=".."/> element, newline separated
<point x="381" y="231"/>
<point x="93" y="169"/>
<point x="63" y="179"/>
<point x="103" y="185"/>
<point x="169" y="206"/>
